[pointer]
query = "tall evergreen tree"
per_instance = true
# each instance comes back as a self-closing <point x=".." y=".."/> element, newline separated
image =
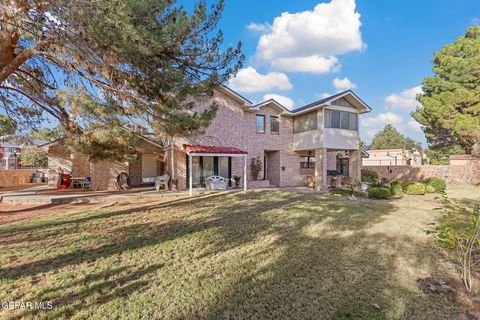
<point x="8" y="126"/>
<point x="450" y="112"/>
<point x="390" y="138"/>
<point x="101" y="67"/>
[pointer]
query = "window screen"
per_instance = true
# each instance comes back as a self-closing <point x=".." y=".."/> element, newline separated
<point x="274" y="124"/>
<point x="341" y="119"/>
<point x="305" y="122"/>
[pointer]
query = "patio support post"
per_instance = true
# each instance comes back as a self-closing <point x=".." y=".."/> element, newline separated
<point x="190" y="176"/>
<point x="245" y="173"/>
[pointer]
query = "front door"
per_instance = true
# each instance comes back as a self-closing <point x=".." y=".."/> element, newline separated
<point x="342" y="166"/>
<point x="203" y="167"/>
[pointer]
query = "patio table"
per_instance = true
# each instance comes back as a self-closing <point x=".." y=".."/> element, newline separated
<point x="77" y="181"/>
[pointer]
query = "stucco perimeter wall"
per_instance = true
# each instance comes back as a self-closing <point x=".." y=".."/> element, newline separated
<point x="469" y="173"/>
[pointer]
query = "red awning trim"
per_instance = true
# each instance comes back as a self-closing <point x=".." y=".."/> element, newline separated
<point x="212" y="150"/>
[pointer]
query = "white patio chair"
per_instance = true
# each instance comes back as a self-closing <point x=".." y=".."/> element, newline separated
<point x="216" y="183"/>
<point x="162" y="181"/>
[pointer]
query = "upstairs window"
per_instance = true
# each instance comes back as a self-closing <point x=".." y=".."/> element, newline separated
<point x="305" y="122"/>
<point x="274" y="124"/>
<point x="260" y="123"/>
<point x="341" y="119"/>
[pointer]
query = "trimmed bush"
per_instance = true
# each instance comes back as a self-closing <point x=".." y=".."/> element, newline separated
<point x="415" y="188"/>
<point x="406" y="184"/>
<point x="437" y="183"/>
<point x="379" y="193"/>
<point x="369" y="176"/>
<point x="429" y="189"/>
<point x="396" y="188"/>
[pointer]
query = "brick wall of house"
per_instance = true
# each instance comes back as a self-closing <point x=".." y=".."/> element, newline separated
<point x="135" y="170"/>
<point x="58" y="157"/>
<point x="469" y="173"/>
<point x="355" y="164"/>
<point x="102" y="173"/>
<point x="236" y="127"/>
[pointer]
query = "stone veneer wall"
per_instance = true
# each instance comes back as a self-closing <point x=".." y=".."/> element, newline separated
<point x="469" y="173"/>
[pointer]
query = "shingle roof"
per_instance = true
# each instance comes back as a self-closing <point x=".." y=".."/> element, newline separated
<point x="316" y="103"/>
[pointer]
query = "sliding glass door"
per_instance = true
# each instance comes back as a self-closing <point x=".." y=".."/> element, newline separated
<point x="203" y="167"/>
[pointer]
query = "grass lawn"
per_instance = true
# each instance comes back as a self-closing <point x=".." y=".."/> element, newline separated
<point x="264" y="254"/>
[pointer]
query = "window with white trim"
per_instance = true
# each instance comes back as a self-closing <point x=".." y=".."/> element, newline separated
<point x="341" y="119"/>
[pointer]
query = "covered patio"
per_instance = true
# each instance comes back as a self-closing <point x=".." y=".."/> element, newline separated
<point x="214" y="155"/>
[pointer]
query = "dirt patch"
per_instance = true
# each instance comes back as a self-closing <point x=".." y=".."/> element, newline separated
<point x="15" y="187"/>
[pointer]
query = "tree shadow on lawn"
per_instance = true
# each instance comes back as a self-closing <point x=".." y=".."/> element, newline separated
<point x="313" y="276"/>
<point x="334" y="278"/>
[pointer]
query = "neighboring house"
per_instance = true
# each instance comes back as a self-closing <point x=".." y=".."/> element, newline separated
<point x="461" y="159"/>
<point x="292" y="146"/>
<point x="11" y="152"/>
<point x="392" y="157"/>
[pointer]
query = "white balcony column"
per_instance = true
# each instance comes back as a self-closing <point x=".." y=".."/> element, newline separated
<point x="190" y="176"/>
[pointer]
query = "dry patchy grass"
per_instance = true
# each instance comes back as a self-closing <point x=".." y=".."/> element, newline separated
<point x="265" y="254"/>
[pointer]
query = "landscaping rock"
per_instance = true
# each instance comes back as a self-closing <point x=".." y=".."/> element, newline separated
<point x="446" y="288"/>
<point x="376" y="306"/>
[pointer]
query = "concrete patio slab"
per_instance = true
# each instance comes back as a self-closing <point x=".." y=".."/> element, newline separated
<point x="46" y="195"/>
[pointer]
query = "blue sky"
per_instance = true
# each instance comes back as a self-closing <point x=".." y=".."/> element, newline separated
<point x="296" y="49"/>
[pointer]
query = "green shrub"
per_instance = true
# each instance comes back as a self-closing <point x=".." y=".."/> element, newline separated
<point x="429" y="189"/>
<point x="369" y="176"/>
<point x="396" y="188"/>
<point x="415" y="188"/>
<point x="437" y="183"/>
<point x="406" y="184"/>
<point x="379" y="193"/>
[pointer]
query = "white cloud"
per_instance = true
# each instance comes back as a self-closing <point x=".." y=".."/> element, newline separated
<point x="284" y="101"/>
<point x="414" y="126"/>
<point x="249" y="80"/>
<point x="343" y="84"/>
<point x="373" y="124"/>
<point x="322" y="95"/>
<point x="475" y="20"/>
<point x="314" y="64"/>
<point x="381" y="120"/>
<point x="259" y="27"/>
<point x="309" y="41"/>
<point x="404" y="100"/>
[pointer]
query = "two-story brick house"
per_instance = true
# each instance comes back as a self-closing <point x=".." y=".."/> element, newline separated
<point x="293" y="147"/>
